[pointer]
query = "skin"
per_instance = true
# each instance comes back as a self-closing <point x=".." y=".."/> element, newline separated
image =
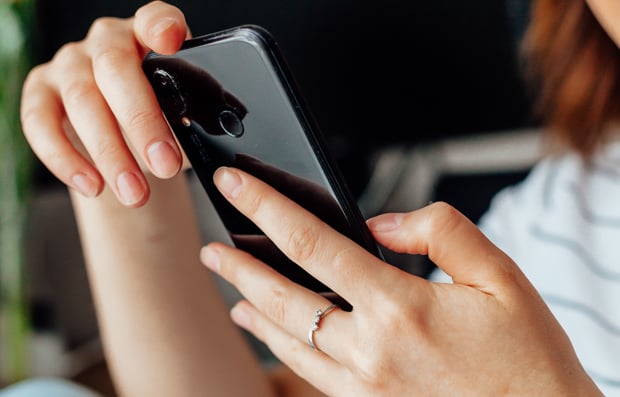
<point x="165" y="329"/>
<point x="608" y="14"/>
<point x="410" y="336"/>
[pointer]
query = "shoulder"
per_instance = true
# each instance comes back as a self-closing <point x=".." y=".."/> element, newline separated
<point x="552" y="194"/>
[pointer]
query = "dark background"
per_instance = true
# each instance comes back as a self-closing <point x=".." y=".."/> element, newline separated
<point x="373" y="73"/>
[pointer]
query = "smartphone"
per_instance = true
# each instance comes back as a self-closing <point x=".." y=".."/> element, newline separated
<point x="231" y="100"/>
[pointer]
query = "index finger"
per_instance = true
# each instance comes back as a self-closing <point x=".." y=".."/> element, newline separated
<point x="116" y="64"/>
<point x="331" y="257"/>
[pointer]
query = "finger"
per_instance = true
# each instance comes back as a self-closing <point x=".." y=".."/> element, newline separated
<point x="332" y="258"/>
<point x="286" y="304"/>
<point x="160" y="27"/>
<point x="119" y="76"/>
<point x="41" y="118"/>
<point x="97" y="128"/>
<point x="449" y="239"/>
<point x="317" y="368"/>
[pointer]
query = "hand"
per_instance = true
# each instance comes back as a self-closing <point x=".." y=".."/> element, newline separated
<point x="486" y="334"/>
<point x="90" y="114"/>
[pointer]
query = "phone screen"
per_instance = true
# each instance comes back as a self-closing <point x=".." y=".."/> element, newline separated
<point x="230" y="100"/>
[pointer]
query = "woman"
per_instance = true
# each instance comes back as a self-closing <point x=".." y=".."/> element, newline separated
<point x="91" y="117"/>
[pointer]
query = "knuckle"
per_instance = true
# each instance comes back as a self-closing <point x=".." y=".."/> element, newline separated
<point x="442" y="210"/>
<point x="151" y="4"/>
<point x="303" y="243"/>
<point x="446" y="223"/>
<point x="395" y="314"/>
<point x="67" y="52"/>
<point x="139" y="118"/>
<point x="112" y="59"/>
<point x="375" y="368"/>
<point x="30" y="108"/>
<point x="374" y="359"/>
<point x="102" y="26"/>
<point x="35" y="75"/>
<point x="373" y="371"/>
<point x="105" y="149"/>
<point x="252" y="204"/>
<point x="79" y="92"/>
<point x="506" y="271"/>
<point x="29" y="117"/>
<point x="343" y="263"/>
<point x="391" y="314"/>
<point x="276" y="306"/>
<point x="444" y="219"/>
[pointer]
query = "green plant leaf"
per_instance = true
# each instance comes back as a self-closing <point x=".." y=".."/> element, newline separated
<point x="15" y="170"/>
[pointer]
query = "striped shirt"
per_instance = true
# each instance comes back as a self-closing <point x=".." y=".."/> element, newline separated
<point x="561" y="225"/>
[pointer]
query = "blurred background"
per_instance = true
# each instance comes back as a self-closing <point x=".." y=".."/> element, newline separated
<point x="418" y="101"/>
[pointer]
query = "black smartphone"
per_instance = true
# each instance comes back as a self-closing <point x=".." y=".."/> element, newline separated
<point x="231" y="99"/>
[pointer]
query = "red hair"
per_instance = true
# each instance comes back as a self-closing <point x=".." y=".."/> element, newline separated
<point x="574" y="68"/>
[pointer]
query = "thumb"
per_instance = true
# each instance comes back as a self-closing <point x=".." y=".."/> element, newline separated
<point x="160" y="27"/>
<point x="450" y="240"/>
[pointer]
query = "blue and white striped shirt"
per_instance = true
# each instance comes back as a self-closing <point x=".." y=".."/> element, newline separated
<point x="561" y="225"/>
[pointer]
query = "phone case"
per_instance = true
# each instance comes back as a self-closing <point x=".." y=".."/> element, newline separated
<point x="231" y="100"/>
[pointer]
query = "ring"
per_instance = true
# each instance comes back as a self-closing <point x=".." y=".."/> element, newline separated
<point x="318" y="316"/>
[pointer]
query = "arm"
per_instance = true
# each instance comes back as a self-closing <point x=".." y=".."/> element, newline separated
<point x="165" y="328"/>
<point x="91" y="117"/>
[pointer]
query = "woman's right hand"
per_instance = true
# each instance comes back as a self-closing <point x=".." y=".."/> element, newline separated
<point x="90" y="114"/>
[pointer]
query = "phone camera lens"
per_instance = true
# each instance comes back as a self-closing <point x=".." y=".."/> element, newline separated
<point x="231" y="123"/>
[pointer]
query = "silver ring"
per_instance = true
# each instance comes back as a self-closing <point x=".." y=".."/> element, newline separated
<point x="318" y="316"/>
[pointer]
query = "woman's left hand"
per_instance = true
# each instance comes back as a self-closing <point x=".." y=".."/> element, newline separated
<point x="487" y="333"/>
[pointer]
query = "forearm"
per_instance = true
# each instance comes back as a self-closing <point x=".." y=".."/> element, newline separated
<point x="165" y="328"/>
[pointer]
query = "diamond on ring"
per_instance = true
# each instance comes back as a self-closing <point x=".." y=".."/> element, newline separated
<point x="318" y="316"/>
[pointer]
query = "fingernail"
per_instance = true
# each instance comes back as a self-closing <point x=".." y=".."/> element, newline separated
<point x="240" y="316"/>
<point x="85" y="185"/>
<point x="130" y="188"/>
<point x="211" y="258"/>
<point x="386" y="222"/>
<point x="161" y="26"/>
<point x="164" y="160"/>
<point x="229" y="182"/>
